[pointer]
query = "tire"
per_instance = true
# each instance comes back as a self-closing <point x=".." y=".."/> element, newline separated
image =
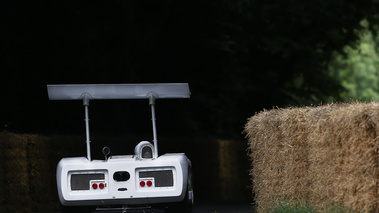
<point x="184" y="206"/>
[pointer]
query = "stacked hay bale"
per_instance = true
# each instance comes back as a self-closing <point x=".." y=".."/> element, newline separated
<point x="2" y="172"/>
<point x="320" y="155"/>
<point x="15" y="172"/>
<point x="24" y="168"/>
<point x="229" y="169"/>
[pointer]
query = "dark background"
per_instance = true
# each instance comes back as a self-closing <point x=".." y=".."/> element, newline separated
<point x="239" y="57"/>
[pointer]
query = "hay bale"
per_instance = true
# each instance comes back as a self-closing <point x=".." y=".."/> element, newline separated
<point x="24" y="170"/>
<point x="354" y="131"/>
<point x="320" y="155"/>
<point x="279" y="155"/>
<point x="15" y="171"/>
<point x="229" y="170"/>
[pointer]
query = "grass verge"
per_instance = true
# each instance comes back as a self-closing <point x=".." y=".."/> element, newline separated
<point x="288" y="207"/>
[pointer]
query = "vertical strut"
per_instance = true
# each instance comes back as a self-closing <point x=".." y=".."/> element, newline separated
<point x="152" y="96"/>
<point x="86" y="98"/>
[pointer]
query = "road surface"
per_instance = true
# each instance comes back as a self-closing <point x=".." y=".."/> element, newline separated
<point x="225" y="207"/>
<point x="218" y="207"/>
<point x="202" y="207"/>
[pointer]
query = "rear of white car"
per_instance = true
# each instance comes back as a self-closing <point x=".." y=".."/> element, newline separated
<point x="142" y="180"/>
<point x="122" y="180"/>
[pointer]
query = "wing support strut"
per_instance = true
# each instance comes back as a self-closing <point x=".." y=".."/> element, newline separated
<point x="152" y="97"/>
<point x="86" y="97"/>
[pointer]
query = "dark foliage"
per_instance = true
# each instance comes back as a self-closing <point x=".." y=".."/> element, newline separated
<point x="238" y="56"/>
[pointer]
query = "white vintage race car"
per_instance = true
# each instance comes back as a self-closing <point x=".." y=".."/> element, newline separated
<point x="140" y="181"/>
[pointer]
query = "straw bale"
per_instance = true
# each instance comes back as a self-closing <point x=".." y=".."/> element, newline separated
<point x="279" y="154"/>
<point x="354" y="132"/>
<point x="2" y="171"/>
<point x="24" y="169"/>
<point x="228" y="167"/>
<point x="320" y="155"/>
<point x="257" y="126"/>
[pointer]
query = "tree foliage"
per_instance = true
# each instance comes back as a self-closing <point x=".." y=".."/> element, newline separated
<point x="238" y="56"/>
<point x="357" y="68"/>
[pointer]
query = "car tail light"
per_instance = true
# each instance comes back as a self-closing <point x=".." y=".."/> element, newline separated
<point x="101" y="185"/>
<point x="94" y="186"/>
<point x="142" y="183"/>
<point x="149" y="183"/>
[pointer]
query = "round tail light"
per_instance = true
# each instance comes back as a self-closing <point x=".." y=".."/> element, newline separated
<point x="149" y="183"/>
<point x="142" y="183"/>
<point x="101" y="185"/>
<point x="94" y="186"/>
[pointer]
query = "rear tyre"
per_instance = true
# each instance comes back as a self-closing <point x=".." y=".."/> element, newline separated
<point x="184" y="206"/>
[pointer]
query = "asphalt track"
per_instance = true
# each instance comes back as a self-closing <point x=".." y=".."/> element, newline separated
<point x="203" y="207"/>
<point x="216" y="207"/>
<point x="223" y="207"/>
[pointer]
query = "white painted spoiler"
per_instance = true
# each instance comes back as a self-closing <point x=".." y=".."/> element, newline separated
<point x="87" y="92"/>
<point x="117" y="91"/>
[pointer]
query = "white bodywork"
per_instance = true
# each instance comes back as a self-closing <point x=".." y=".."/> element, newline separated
<point x="122" y="192"/>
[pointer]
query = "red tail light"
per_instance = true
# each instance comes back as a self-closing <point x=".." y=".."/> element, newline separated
<point x="101" y="185"/>
<point x="142" y="183"/>
<point x="149" y="183"/>
<point x="94" y="186"/>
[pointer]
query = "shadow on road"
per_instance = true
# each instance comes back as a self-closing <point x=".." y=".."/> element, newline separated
<point x="201" y="207"/>
<point x="224" y="207"/>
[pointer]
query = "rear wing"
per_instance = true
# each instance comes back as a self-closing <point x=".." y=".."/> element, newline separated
<point x="117" y="91"/>
<point x="87" y="92"/>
